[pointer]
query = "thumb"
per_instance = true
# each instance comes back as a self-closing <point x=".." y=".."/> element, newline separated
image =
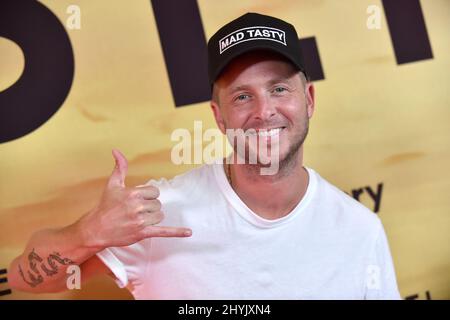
<point x="117" y="178"/>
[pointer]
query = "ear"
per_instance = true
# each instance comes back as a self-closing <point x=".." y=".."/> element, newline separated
<point x="218" y="116"/>
<point x="310" y="102"/>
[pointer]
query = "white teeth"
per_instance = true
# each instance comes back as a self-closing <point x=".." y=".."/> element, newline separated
<point x="264" y="133"/>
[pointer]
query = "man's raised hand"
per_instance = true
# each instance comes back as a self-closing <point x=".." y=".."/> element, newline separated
<point x="126" y="215"/>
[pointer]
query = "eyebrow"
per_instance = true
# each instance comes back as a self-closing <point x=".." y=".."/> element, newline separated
<point x="268" y="83"/>
<point x="238" y="88"/>
<point x="279" y="80"/>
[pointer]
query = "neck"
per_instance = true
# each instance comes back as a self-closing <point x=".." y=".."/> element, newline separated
<point x="271" y="196"/>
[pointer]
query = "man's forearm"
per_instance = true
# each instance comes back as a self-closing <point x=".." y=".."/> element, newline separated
<point x="122" y="217"/>
<point x="43" y="264"/>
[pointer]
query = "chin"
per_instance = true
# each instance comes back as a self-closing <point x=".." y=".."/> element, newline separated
<point x="266" y="159"/>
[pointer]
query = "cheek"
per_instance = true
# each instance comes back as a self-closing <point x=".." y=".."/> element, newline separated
<point x="296" y="109"/>
<point x="294" y="112"/>
<point x="235" y="119"/>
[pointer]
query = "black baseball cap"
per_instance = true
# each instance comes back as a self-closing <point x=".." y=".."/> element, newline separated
<point x="249" y="32"/>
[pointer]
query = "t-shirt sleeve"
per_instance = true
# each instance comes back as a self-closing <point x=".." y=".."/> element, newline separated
<point x="381" y="281"/>
<point x="129" y="263"/>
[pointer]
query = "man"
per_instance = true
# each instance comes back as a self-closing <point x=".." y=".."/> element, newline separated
<point x="285" y="235"/>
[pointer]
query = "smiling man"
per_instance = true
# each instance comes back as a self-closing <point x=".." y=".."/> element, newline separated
<point x="285" y="235"/>
<point x="263" y="92"/>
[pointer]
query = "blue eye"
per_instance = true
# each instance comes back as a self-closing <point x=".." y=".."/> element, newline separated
<point x="242" y="97"/>
<point x="280" y="89"/>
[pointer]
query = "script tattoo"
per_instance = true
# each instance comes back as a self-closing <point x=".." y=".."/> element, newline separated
<point x="34" y="276"/>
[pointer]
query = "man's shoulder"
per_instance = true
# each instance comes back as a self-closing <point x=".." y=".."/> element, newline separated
<point x="185" y="183"/>
<point x="342" y="206"/>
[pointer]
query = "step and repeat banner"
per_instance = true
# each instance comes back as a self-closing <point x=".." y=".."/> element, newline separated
<point x="79" y="77"/>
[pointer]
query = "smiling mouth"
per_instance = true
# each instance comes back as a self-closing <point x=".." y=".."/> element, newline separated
<point x="264" y="132"/>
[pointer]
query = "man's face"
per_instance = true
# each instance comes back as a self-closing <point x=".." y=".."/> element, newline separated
<point x="263" y="91"/>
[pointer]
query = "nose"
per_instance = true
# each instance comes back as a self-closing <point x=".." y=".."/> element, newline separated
<point x="264" y="109"/>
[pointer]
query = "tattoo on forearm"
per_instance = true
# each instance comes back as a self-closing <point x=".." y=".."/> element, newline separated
<point x="35" y="277"/>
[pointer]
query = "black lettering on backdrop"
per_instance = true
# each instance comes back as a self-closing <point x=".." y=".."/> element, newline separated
<point x="185" y="51"/>
<point x="49" y="62"/>
<point x="375" y="195"/>
<point x="183" y="43"/>
<point x="407" y="30"/>
<point x="417" y="296"/>
<point x="4" y="279"/>
<point x="49" y="67"/>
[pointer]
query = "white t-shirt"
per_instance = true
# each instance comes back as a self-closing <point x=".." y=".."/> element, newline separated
<point x="328" y="247"/>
